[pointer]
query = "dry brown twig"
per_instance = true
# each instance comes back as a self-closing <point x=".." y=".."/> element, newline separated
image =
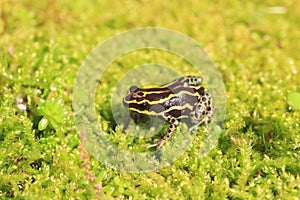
<point x="84" y="156"/>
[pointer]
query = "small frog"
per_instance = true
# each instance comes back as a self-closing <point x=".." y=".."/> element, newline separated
<point x="184" y="97"/>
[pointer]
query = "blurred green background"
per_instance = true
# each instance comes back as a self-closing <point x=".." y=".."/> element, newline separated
<point x="255" y="46"/>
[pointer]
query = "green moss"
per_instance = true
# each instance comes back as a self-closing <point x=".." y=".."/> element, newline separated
<point x="255" y="47"/>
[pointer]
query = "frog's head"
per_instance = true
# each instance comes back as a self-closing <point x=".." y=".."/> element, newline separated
<point x="138" y="105"/>
<point x="135" y="96"/>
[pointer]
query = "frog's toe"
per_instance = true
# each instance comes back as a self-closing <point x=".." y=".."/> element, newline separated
<point x="150" y="146"/>
<point x="206" y="124"/>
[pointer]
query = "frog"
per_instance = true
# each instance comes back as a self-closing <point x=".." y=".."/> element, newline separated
<point x="185" y="97"/>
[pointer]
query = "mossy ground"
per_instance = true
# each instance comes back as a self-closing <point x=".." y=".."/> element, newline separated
<point x="255" y="46"/>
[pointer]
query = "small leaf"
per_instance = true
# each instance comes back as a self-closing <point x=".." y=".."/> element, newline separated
<point x="294" y="100"/>
<point x="108" y="189"/>
<point x="43" y="124"/>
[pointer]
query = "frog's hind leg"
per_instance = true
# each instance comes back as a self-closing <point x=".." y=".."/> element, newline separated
<point x="171" y="130"/>
<point x="191" y="80"/>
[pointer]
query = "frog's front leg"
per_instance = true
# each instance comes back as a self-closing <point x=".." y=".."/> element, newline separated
<point x="126" y="122"/>
<point x="171" y="130"/>
<point x="203" y="112"/>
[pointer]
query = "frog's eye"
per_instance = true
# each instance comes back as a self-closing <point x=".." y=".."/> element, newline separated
<point x="140" y="93"/>
<point x="132" y="89"/>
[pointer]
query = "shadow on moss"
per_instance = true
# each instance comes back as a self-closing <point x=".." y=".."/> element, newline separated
<point x="271" y="137"/>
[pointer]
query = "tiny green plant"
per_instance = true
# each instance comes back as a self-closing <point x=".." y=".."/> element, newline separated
<point x="53" y="113"/>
